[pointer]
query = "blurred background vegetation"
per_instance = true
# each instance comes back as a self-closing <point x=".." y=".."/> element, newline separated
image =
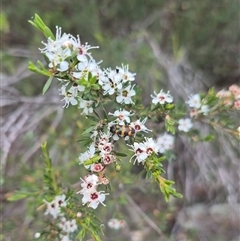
<point x="182" y="45"/>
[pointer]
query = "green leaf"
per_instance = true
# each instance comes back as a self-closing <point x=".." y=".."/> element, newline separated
<point x="207" y="138"/>
<point x="87" y="131"/>
<point x="92" y="160"/>
<point x="149" y="174"/>
<point x="38" y="23"/>
<point x="89" y="76"/>
<point x="40" y="70"/>
<point x="47" y="85"/>
<point x="48" y="33"/>
<point x="95" y="87"/>
<point x="93" y="118"/>
<point x="158" y="106"/>
<point x="169" y="106"/>
<point x="160" y="159"/>
<point x="167" y="189"/>
<point x="18" y="195"/>
<point x="104" y="112"/>
<point x="96" y="114"/>
<point x="93" y="80"/>
<point x="121" y="154"/>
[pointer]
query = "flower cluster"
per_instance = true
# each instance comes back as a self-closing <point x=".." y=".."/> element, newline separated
<point x="67" y="227"/>
<point x="162" y="98"/>
<point x="75" y="68"/>
<point x="54" y="207"/>
<point x="90" y="193"/>
<point x="143" y="150"/>
<point x="101" y="152"/>
<point x="231" y="96"/>
<point x="118" y="82"/>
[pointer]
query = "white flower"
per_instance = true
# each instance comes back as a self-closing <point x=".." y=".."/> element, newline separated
<point x="54" y="207"/>
<point x="55" y="45"/>
<point x="165" y="142"/>
<point x="71" y="226"/>
<point x="125" y="95"/>
<point x="60" y="200"/>
<point x="87" y="155"/>
<point x="110" y="87"/>
<point x="68" y="226"/>
<point x="162" y="98"/>
<point x="151" y="146"/>
<point x="111" y="83"/>
<point x="92" y="178"/>
<point x="82" y="50"/>
<point x="103" y="139"/>
<point x="185" y="124"/>
<point x="75" y="88"/>
<point x="88" y="185"/>
<point x="94" y="198"/>
<point x="140" y="153"/>
<point x="122" y="116"/>
<point x="194" y="101"/>
<point x="125" y="74"/>
<point x="57" y="59"/>
<point x="70" y="97"/>
<point x="83" y="68"/>
<point x="90" y="193"/>
<point x="86" y="106"/>
<point x="138" y="125"/>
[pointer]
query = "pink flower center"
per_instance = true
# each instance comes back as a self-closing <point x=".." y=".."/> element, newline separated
<point x="137" y="127"/>
<point x="107" y="160"/>
<point x="107" y="148"/>
<point x="139" y="151"/>
<point x="149" y="150"/>
<point x="161" y="97"/>
<point x="121" y="117"/>
<point x="94" y="196"/>
<point x="89" y="185"/>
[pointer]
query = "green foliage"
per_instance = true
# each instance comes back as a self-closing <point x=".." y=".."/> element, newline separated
<point x="21" y="194"/>
<point x="47" y="85"/>
<point x="40" y="70"/>
<point x="49" y="176"/>
<point x="167" y="189"/>
<point x="39" y="24"/>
